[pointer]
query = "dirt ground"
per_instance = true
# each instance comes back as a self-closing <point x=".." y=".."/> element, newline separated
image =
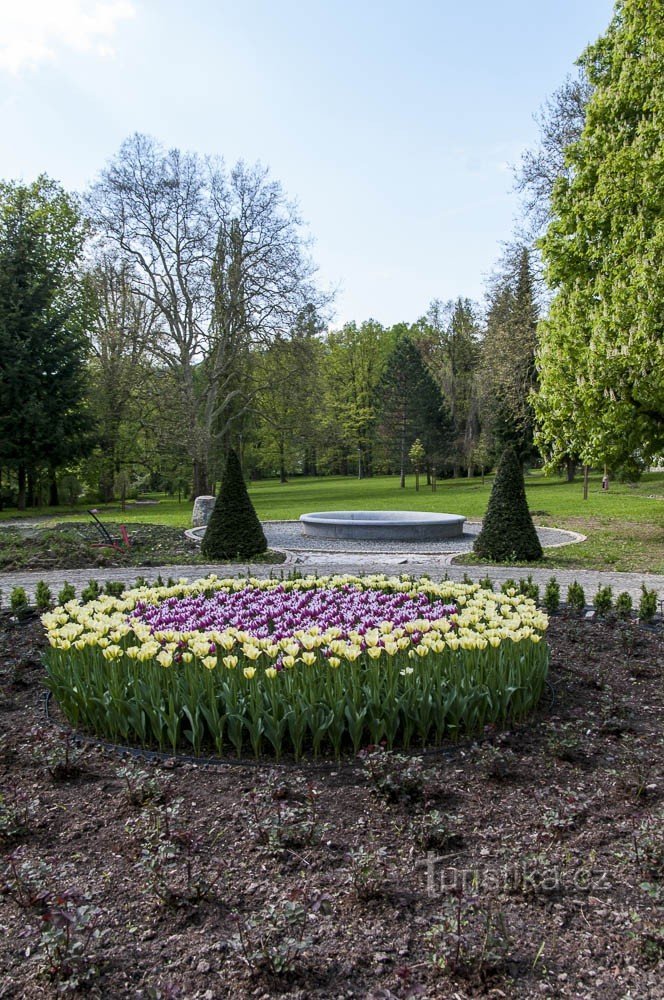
<point x="526" y="864"/>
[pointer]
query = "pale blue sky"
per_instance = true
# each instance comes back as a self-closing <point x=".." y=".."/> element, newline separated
<point x="392" y="124"/>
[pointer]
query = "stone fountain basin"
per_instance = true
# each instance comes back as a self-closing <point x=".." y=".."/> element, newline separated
<point x="395" y="525"/>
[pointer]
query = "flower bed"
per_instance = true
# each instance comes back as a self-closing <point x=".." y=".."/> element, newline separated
<point x="320" y="664"/>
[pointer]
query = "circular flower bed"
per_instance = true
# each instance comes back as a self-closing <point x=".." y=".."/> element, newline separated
<point x="329" y="663"/>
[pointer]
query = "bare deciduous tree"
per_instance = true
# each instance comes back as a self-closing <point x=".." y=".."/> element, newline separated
<point x="220" y="259"/>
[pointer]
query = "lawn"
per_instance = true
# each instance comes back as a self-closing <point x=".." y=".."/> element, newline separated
<point x="625" y="526"/>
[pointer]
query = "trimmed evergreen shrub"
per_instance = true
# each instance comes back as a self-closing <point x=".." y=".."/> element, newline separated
<point x="68" y="593"/>
<point x="647" y="604"/>
<point x="91" y="592"/>
<point x="603" y="600"/>
<point x="234" y="530"/>
<point x="18" y="601"/>
<point x="624" y="605"/>
<point x="43" y="596"/>
<point x="508" y="533"/>
<point x="576" y="597"/>
<point x="552" y="596"/>
<point x="529" y="588"/>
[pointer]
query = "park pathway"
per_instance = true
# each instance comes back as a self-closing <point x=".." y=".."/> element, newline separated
<point x="323" y="564"/>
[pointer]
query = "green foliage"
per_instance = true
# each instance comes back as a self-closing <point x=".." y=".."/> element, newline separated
<point x="311" y="709"/>
<point x="412" y="406"/>
<point x="18" y="600"/>
<point x="601" y="352"/>
<point x="43" y="313"/>
<point x="624" y="605"/>
<point x="508" y="373"/>
<point x="114" y="588"/>
<point x="509" y="586"/>
<point x="234" y="530"/>
<point x="647" y="604"/>
<point x="91" y="592"/>
<point x="67" y="593"/>
<point x="43" y="596"/>
<point x="603" y="601"/>
<point x="508" y="533"/>
<point x="529" y="588"/>
<point x="552" y="596"/>
<point x="576" y="597"/>
<point x="486" y="583"/>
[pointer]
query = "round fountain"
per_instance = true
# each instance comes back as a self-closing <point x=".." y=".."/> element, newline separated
<point x="383" y="525"/>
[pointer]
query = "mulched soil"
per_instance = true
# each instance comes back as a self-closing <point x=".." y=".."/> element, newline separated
<point x="77" y="546"/>
<point x="529" y="864"/>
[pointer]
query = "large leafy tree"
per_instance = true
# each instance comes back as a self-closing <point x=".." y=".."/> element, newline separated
<point x="601" y="354"/>
<point x="43" y="313"/>
<point x="355" y="360"/>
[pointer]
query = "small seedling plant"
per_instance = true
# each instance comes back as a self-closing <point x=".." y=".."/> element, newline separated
<point x="274" y="942"/>
<point x="58" y="751"/>
<point x="469" y="938"/>
<point x="181" y="866"/>
<point x="18" y="813"/>
<point x="284" y="815"/>
<point x="140" y="786"/>
<point x="396" y="777"/>
<point x="67" y="930"/>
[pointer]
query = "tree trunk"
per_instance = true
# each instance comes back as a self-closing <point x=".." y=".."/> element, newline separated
<point x="402" y="479"/>
<point x="282" y="460"/>
<point x="53" y="498"/>
<point x="21" y="488"/>
<point x="570" y="469"/>
<point x="200" y="479"/>
<point x="30" y="498"/>
<point x="586" y="474"/>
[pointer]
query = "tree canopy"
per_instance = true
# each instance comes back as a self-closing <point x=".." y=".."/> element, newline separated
<point x="43" y="310"/>
<point x="601" y="354"/>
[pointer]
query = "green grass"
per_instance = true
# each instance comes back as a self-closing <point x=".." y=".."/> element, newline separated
<point x="625" y="526"/>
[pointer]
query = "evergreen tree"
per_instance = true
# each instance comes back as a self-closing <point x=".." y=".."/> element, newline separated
<point x="602" y="347"/>
<point x="508" y="533"/>
<point x="43" y="419"/>
<point x="412" y="406"/>
<point x="234" y="531"/>
<point x="449" y="336"/>
<point x="509" y="374"/>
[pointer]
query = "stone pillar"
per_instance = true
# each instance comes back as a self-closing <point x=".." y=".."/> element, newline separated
<point x="202" y="509"/>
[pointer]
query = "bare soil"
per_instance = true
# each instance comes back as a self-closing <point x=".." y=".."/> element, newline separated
<point x="79" y="545"/>
<point x="526" y="864"/>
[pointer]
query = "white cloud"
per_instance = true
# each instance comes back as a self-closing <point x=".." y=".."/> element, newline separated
<point x="33" y="32"/>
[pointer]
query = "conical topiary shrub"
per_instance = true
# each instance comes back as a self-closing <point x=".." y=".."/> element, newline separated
<point x="233" y="530"/>
<point x="508" y="533"/>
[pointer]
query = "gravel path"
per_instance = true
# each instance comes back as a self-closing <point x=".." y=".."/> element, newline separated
<point x="288" y="535"/>
<point x="321" y="563"/>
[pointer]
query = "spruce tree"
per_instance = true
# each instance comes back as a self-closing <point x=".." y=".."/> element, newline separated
<point x="412" y="405"/>
<point x="44" y="420"/>
<point x="508" y="532"/>
<point x="234" y="530"/>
